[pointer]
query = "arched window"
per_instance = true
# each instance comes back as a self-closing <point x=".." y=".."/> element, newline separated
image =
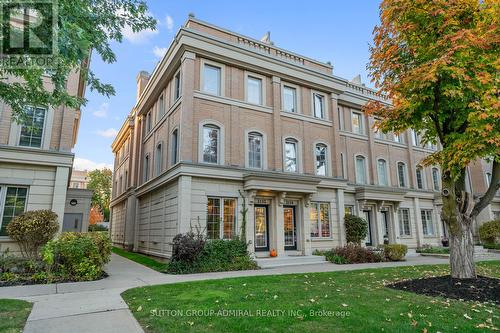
<point x="382" y="172"/>
<point x="255" y="145"/>
<point x="435" y="179"/>
<point x="211" y="144"/>
<point x="291" y="160"/>
<point x="158" y="158"/>
<point x="174" y="147"/>
<point x="402" y="174"/>
<point x="420" y="177"/>
<point x="360" y="169"/>
<point x="320" y="153"/>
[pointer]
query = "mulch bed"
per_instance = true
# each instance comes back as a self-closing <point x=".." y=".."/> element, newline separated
<point x="28" y="282"/>
<point x="482" y="289"/>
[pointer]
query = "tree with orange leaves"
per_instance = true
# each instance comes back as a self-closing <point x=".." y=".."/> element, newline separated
<point x="437" y="62"/>
<point x="95" y="215"/>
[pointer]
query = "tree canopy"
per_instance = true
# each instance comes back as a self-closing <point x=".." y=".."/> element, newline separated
<point x="100" y="181"/>
<point x="84" y="26"/>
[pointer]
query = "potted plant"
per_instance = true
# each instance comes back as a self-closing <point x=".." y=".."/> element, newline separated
<point x="445" y="241"/>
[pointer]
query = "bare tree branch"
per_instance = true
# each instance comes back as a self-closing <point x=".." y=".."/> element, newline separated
<point x="490" y="193"/>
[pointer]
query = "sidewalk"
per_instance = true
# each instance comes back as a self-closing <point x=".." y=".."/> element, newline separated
<point x="96" y="306"/>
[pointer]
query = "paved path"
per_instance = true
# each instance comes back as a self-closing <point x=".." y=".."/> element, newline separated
<point x="96" y="306"/>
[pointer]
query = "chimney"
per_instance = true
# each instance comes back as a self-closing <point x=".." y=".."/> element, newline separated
<point x="142" y="81"/>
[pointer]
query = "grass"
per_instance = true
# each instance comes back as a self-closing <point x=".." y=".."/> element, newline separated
<point x="434" y="250"/>
<point x="141" y="259"/>
<point x="13" y="315"/>
<point x="358" y="301"/>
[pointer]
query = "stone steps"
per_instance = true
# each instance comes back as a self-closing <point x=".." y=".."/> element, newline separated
<point x="289" y="261"/>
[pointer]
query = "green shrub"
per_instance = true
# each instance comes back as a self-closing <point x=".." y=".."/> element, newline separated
<point x="435" y="250"/>
<point x="97" y="227"/>
<point x="489" y="232"/>
<point x="395" y="252"/>
<point x="332" y="257"/>
<point x="356" y="229"/>
<point x="215" y="256"/>
<point x="491" y="246"/>
<point x="187" y="247"/>
<point x="355" y="254"/>
<point x="32" y="230"/>
<point x="78" y="256"/>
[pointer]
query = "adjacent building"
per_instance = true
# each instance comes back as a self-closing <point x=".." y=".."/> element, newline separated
<point x="226" y="119"/>
<point x="36" y="162"/>
<point x="79" y="179"/>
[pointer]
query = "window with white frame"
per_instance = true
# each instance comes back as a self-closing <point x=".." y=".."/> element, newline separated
<point x="401" y="174"/>
<point x="221" y="218"/>
<point x="382" y="172"/>
<point x="146" y="168"/>
<point x="210" y="149"/>
<point x="360" y="170"/>
<point x="291" y="160"/>
<point x="158" y="158"/>
<point x="340" y="112"/>
<point x="177" y="86"/>
<point x="321" y="153"/>
<point x="254" y="90"/>
<point x="212" y="79"/>
<point x="289" y="99"/>
<point x="342" y="164"/>
<point x="255" y="145"/>
<point x="348" y="210"/>
<point x="32" y="127"/>
<point x="12" y="203"/>
<point x="415" y="138"/>
<point x="357" y="123"/>
<point x="420" y="177"/>
<point x="319" y="105"/>
<point x="161" y="106"/>
<point x="148" y="122"/>
<point x="427" y="224"/>
<point x="174" y="147"/>
<point x="319" y="214"/>
<point x="435" y="179"/>
<point x="379" y="134"/>
<point x="398" y="137"/>
<point x="404" y="222"/>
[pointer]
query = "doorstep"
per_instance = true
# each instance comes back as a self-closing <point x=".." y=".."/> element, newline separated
<point x="290" y="260"/>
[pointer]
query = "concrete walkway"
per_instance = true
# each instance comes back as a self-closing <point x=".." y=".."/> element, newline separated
<point x="96" y="306"/>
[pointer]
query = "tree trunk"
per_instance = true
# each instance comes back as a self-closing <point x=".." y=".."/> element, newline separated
<point x="456" y="214"/>
<point x="462" y="250"/>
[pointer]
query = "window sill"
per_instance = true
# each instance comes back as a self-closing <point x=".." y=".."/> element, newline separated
<point x="406" y="237"/>
<point x="319" y="239"/>
<point x="226" y="100"/>
<point x="312" y="119"/>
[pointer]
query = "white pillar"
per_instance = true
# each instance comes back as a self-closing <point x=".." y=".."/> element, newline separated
<point x="278" y="228"/>
<point x="59" y="196"/>
<point x="250" y="228"/>
<point x="184" y="205"/>
<point x="341" y="215"/>
<point x="418" y="222"/>
<point x="305" y="234"/>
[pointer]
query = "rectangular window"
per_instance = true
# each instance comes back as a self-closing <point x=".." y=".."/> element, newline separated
<point x="415" y="138"/>
<point x="420" y="178"/>
<point x="360" y="170"/>
<point x="348" y="210"/>
<point x="341" y="118"/>
<point x="357" y="123"/>
<point x="320" y="219"/>
<point x="404" y="222"/>
<point x="148" y="122"/>
<point x="321" y="159"/>
<point x="255" y="150"/>
<point x="427" y="225"/>
<point x="289" y="99"/>
<point x="32" y="128"/>
<point x="435" y="179"/>
<point x="210" y="144"/>
<point x="221" y="218"/>
<point x="254" y="90"/>
<point x="159" y="159"/>
<point x="177" y="86"/>
<point x="398" y="138"/>
<point x="382" y="172"/>
<point x="319" y="106"/>
<point x="402" y="174"/>
<point x="146" y="169"/>
<point x="174" y="146"/>
<point x="212" y="79"/>
<point x="161" y="106"/>
<point x="14" y="204"/>
<point x="291" y="156"/>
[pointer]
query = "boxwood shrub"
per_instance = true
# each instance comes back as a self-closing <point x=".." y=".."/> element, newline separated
<point x="395" y="252"/>
<point x="489" y="232"/>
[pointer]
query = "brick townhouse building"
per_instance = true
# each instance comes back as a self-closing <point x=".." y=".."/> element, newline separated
<point x="224" y="116"/>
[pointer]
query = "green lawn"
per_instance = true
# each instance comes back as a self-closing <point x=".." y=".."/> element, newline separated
<point x="357" y="301"/>
<point x="13" y="315"/>
<point x="141" y="259"/>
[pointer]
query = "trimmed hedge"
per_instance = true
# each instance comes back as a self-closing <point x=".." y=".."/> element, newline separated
<point x="489" y="232"/>
<point x="395" y="252"/>
<point x="356" y="229"/>
<point x="353" y="254"/>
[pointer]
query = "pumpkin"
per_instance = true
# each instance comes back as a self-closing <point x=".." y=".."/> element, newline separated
<point x="273" y="253"/>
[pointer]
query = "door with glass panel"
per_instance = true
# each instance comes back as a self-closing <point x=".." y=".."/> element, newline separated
<point x="367" y="216"/>
<point x="385" y="224"/>
<point x="261" y="228"/>
<point x="290" y="228"/>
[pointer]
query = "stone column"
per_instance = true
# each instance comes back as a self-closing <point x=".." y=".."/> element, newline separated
<point x="188" y="130"/>
<point x="250" y="228"/>
<point x="340" y="215"/>
<point x="276" y="163"/>
<point x="305" y="234"/>
<point x="59" y="195"/>
<point x="418" y="222"/>
<point x="335" y="153"/>
<point x="130" y="222"/>
<point x="395" y="224"/>
<point x="184" y="204"/>
<point x="279" y="226"/>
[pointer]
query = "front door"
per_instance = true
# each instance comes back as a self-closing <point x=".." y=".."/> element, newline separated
<point x="367" y="216"/>
<point x="290" y="228"/>
<point x="261" y="228"/>
<point x="72" y="222"/>
<point x="385" y="224"/>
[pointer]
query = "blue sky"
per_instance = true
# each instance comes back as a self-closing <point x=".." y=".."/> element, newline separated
<point x="335" y="31"/>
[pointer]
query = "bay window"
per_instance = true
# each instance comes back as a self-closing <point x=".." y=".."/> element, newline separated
<point x="221" y="218"/>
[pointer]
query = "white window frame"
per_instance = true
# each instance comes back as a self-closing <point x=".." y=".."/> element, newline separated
<point x="436" y="185"/>
<point x="362" y="130"/>
<point x="298" y="147"/>
<point x="318" y="204"/>
<point x="220" y="143"/>
<point x="161" y="106"/>
<point x="158" y="158"/>
<point x="43" y="138"/>
<point x="398" y="138"/>
<point x="3" y="195"/>
<point x="415" y="138"/>
<point x="297" y="97"/>
<point x="222" y="83"/>
<point x="174" y="88"/>
<point x="405" y="174"/>
<point x="174" y="152"/>
<point x="388" y="182"/>
<point x="263" y="150"/>
<point x="145" y="169"/>
<point x="263" y="84"/>
<point x="418" y="167"/>
<point x="402" y="232"/>
<point x="367" y="181"/>
<point x="325" y="104"/>
<point x="221" y="216"/>
<point x="429" y="221"/>
<point x="327" y="158"/>
<point x="340" y="113"/>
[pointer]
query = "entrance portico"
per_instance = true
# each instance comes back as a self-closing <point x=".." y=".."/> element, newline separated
<point x="278" y="214"/>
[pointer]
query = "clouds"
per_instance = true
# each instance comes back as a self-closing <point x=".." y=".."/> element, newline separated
<point x="159" y="51"/>
<point x="139" y="37"/>
<point x="170" y="23"/>
<point x="85" y="164"/>
<point x="102" y="111"/>
<point x="109" y="133"/>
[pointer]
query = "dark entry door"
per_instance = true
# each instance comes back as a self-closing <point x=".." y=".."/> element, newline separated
<point x="261" y="227"/>
<point x="290" y="229"/>
<point x="385" y="223"/>
<point x="72" y="222"/>
<point x="368" y="239"/>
